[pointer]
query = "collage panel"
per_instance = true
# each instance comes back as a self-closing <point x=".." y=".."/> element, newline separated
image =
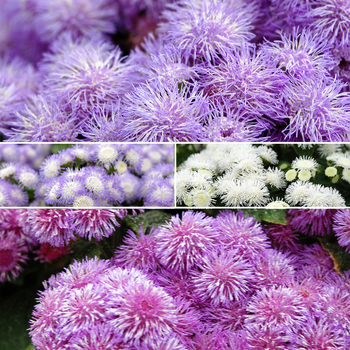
<point x="174" y="279"/>
<point x="270" y="175"/>
<point x="87" y="175"/>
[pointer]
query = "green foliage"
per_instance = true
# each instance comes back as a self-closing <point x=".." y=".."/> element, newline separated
<point x="149" y="219"/>
<point x="273" y="216"/>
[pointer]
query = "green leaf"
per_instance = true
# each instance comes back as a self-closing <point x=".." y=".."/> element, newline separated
<point x="152" y="218"/>
<point x="60" y="147"/>
<point x="304" y="152"/>
<point x="274" y="216"/>
<point x="340" y="257"/>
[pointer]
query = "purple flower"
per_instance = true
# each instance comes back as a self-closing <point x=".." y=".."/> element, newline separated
<point x="224" y="278"/>
<point x="51" y="18"/>
<point x="283" y="237"/>
<point x="105" y="124"/>
<point x="300" y="55"/>
<point x="86" y="72"/>
<point x="43" y="119"/>
<point x="311" y="221"/>
<point x="238" y="232"/>
<point x="13" y="253"/>
<point x="183" y="243"/>
<point x="320" y="334"/>
<point x="341" y="226"/>
<point x="159" y="194"/>
<point x="142" y="312"/>
<point x="207" y="29"/>
<point x="96" y="223"/>
<point x="155" y="112"/>
<point x="275" y="337"/>
<point x="49" y="226"/>
<point x="317" y="111"/>
<point x="138" y="250"/>
<point x="273" y="268"/>
<point x="278" y="306"/>
<point x="247" y="84"/>
<point x="331" y="22"/>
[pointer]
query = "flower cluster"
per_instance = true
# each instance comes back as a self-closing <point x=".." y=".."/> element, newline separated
<point x="21" y="230"/>
<point x="166" y="70"/>
<point x="90" y="176"/>
<point x="250" y="175"/>
<point x="199" y="282"/>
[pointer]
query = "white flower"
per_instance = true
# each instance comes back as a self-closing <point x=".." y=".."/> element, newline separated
<point x="320" y="196"/>
<point x="304" y="175"/>
<point x="28" y="179"/>
<point x="277" y="204"/>
<point x="275" y="177"/>
<point x="297" y="192"/>
<point x="83" y="201"/>
<point x="327" y="149"/>
<point x="305" y="163"/>
<point x="107" y="154"/>
<point x="346" y="174"/>
<point x="268" y="154"/>
<point x="202" y="198"/>
<point x="234" y="196"/>
<point x="256" y="193"/>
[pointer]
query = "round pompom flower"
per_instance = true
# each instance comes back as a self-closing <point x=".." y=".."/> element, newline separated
<point x="311" y="221"/>
<point x="277" y="307"/>
<point x="85" y="72"/>
<point x="224" y="278"/>
<point x="96" y="223"/>
<point x="13" y="252"/>
<point x="244" y="82"/>
<point x="207" y="29"/>
<point x="155" y="112"/>
<point x="238" y="232"/>
<point x="80" y="17"/>
<point x="183" y="243"/>
<point x="52" y="226"/>
<point x="317" y="111"/>
<point x="44" y="120"/>
<point x="138" y="251"/>
<point x="142" y="312"/>
<point x="341" y="227"/>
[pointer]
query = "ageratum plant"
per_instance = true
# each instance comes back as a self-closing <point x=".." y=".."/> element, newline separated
<point x="224" y="281"/>
<point x="90" y="176"/>
<point x="251" y="175"/>
<point x="175" y="70"/>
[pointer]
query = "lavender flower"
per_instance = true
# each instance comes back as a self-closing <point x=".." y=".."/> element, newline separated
<point x="170" y="114"/>
<point x="81" y="18"/>
<point x="207" y="29"/>
<point x="74" y="64"/>
<point x="341" y="228"/>
<point x="224" y="278"/>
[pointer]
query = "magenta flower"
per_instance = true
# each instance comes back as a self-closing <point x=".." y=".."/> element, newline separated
<point x="142" y="312"/>
<point x="183" y="243"/>
<point x="224" y="278"/>
<point x="279" y="306"/>
<point x="138" y="250"/>
<point x="96" y="223"/>
<point x="13" y="253"/>
<point x="238" y="232"/>
<point x="311" y="221"/>
<point x="49" y="226"/>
